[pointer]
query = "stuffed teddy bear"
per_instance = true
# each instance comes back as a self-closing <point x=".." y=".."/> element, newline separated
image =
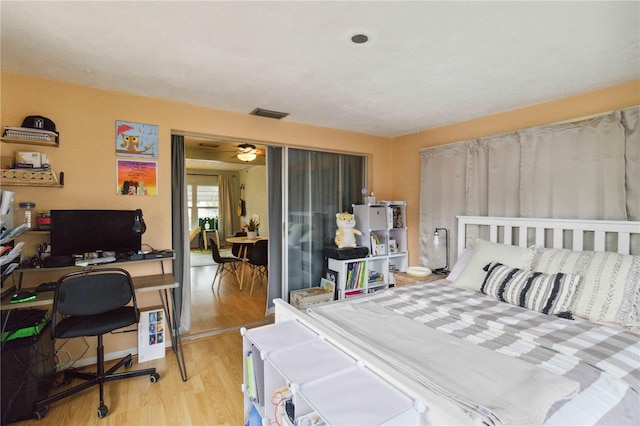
<point x="345" y="234"/>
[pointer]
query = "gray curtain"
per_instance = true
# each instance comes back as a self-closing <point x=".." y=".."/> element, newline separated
<point x="180" y="234"/>
<point x="584" y="170"/>
<point x="630" y="123"/>
<point x="320" y="184"/>
<point x="276" y="224"/>
<point x="228" y="221"/>
<point x="442" y="196"/>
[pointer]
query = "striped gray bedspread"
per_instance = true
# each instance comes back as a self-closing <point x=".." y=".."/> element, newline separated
<point x="604" y="361"/>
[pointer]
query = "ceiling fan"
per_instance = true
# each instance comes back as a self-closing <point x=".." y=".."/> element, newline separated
<point x="245" y="151"/>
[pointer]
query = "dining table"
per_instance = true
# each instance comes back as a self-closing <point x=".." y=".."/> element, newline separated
<point x="245" y="242"/>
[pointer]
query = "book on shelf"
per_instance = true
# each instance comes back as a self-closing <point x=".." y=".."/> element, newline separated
<point x="28" y="133"/>
<point x="398" y="221"/>
<point x="255" y="387"/>
<point x="377" y="245"/>
<point x="355" y="292"/>
<point x="251" y="389"/>
<point x="375" y="277"/>
<point x="355" y="275"/>
<point x="29" y="167"/>
<point x="258" y="377"/>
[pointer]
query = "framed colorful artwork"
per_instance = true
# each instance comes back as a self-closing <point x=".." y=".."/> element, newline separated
<point x="136" y="139"/>
<point x="137" y="177"/>
<point x="151" y="335"/>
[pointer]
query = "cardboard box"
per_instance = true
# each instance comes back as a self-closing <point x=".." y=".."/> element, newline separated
<point x="28" y="159"/>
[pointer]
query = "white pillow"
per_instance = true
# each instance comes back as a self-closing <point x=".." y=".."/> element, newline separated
<point x="609" y="286"/>
<point x="486" y="252"/>
<point x="460" y="264"/>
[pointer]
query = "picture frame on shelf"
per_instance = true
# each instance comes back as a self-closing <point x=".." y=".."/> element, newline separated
<point x="331" y="276"/>
<point x="327" y="286"/>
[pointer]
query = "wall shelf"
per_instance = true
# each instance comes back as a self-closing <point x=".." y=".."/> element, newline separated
<point x="17" y="177"/>
<point x="30" y="142"/>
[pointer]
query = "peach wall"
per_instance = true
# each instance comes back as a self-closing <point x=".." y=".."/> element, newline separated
<point x="85" y="118"/>
<point x="406" y="149"/>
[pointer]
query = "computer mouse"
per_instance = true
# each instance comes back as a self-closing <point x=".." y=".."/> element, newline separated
<point x="23" y="296"/>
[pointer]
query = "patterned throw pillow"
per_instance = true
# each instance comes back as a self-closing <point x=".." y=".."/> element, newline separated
<point x="485" y="252"/>
<point x="610" y="284"/>
<point x="549" y="294"/>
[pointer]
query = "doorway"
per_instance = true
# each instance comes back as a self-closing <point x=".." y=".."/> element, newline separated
<point x="214" y="176"/>
<point x="320" y="185"/>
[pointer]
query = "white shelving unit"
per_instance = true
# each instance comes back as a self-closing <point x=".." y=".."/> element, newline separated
<point x="287" y="361"/>
<point x="360" y="276"/>
<point x="384" y="233"/>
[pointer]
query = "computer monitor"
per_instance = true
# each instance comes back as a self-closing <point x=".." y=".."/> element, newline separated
<point x="76" y="232"/>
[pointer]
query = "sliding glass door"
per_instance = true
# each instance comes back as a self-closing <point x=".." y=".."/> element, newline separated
<point x="319" y="185"/>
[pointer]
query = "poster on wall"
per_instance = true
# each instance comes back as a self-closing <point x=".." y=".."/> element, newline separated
<point x="137" y="177"/>
<point x="136" y="139"/>
<point x="151" y="335"/>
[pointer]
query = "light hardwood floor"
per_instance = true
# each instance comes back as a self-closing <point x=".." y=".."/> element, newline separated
<point x="211" y="396"/>
<point x="228" y="307"/>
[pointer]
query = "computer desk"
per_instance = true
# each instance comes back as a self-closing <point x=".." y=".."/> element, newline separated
<point x="164" y="283"/>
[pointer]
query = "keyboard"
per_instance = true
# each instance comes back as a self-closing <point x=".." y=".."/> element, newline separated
<point x="96" y="261"/>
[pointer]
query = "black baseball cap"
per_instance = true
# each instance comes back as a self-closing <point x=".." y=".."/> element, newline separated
<point x="39" y="122"/>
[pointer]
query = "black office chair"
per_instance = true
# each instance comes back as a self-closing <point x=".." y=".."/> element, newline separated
<point x="93" y="303"/>
<point x="259" y="261"/>
<point x="225" y="264"/>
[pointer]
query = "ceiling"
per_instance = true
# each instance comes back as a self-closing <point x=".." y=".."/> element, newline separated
<point x="208" y="153"/>
<point x="426" y="64"/>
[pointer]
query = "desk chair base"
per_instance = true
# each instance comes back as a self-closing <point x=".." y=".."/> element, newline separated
<point x="95" y="379"/>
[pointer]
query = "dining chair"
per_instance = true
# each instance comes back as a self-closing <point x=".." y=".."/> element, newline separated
<point x="258" y="261"/>
<point x="241" y="251"/>
<point x="225" y="264"/>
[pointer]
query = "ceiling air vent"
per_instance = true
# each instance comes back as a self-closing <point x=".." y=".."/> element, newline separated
<point x="268" y="113"/>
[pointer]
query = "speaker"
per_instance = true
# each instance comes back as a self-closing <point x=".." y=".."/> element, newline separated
<point x="28" y="370"/>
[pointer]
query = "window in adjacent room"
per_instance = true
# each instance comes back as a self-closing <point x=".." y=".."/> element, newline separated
<point x="202" y="201"/>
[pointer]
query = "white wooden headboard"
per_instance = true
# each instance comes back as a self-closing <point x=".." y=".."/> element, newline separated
<point x="503" y="230"/>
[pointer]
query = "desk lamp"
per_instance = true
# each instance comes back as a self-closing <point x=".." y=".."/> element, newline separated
<point x="436" y="245"/>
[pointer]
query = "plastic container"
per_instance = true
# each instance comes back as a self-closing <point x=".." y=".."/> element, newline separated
<point x="26" y="214"/>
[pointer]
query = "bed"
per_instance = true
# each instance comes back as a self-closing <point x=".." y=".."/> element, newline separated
<point x="474" y="349"/>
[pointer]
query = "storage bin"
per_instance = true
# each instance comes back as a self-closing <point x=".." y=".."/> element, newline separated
<point x="309" y="296"/>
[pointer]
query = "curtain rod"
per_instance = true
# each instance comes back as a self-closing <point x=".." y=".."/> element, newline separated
<point x="589" y="117"/>
<point x="203" y="174"/>
<point x="569" y="121"/>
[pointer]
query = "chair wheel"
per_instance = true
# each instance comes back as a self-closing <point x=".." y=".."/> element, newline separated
<point x="128" y="364"/>
<point x="102" y="411"/>
<point x="40" y="414"/>
<point x="66" y="379"/>
<point x="154" y="377"/>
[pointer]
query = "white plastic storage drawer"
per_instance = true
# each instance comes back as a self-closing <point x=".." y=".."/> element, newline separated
<point x="377" y="217"/>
